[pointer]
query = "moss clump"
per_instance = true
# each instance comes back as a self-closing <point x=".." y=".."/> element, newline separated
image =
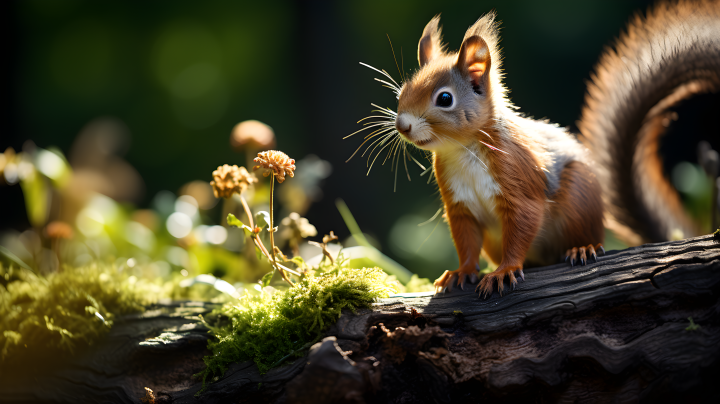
<point x="268" y="329"/>
<point x="62" y="310"/>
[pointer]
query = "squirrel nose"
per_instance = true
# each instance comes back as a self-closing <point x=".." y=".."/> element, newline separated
<point x="403" y="127"/>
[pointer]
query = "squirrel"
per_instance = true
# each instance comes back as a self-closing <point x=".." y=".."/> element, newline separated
<point x="525" y="192"/>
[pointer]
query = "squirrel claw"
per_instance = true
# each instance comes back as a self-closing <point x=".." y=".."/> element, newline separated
<point x="486" y="286"/>
<point x="446" y="282"/>
<point x="582" y="253"/>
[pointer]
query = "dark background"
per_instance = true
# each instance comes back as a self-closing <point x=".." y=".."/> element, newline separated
<point x="181" y="74"/>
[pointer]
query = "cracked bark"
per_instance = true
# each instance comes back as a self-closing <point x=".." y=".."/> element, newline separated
<point x="612" y="331"/>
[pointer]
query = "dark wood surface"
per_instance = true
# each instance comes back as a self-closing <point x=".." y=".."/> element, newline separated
<point x="611" y="331"/>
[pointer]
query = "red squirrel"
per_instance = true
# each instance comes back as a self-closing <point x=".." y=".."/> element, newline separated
<point x="521" y="191"/>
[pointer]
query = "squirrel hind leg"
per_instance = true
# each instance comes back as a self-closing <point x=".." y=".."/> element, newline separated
<point x="585" y="253"/>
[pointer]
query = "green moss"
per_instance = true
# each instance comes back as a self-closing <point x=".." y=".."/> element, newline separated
<point x="269" y="329"/>
<point x="62" y="310"/>
<point x="417" y="284"/>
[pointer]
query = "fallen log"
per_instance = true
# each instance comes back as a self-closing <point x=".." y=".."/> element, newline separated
<point x="616" y="330"/>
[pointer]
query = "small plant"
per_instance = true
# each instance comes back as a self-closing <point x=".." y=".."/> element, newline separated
<point x="230" y="180"/>
<point x="268" y="329"/>
<point x="277" y="164"/>
<point x="692" y="326"/>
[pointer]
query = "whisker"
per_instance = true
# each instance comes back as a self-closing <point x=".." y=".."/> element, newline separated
<point x="366" y="128"/>
<point x="396" y="171"/>
<point x="402" y="63"/>
<point x="366" y="140"/>
<point x="376" y="156"/>
<point x="405" y="160"/>
<point x="416" y="162"/>
<point x="377" y="142"/>
<point x="485" y="167"/>
<point x="373" y="116"/>
<point x="493" y="147"/>
<point x="432" y="218"/>
<point x="383" y="72"/>
<point x="392" y="152"/>
<point x="388" y="85"/>
<point x="396" y="63"/>
<point x="386" y="111"/>
<point x="486" y="134"/>
<point x="382" y="141"/>
<point x="380" y="130"/>
<point x="383" y="137"/>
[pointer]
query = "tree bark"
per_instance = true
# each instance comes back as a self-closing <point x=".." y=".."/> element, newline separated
<point x="613" y="331"/>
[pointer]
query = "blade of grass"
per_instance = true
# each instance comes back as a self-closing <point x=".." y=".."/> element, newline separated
<point x="14" y="258"/>
<point x="383" y="261"/>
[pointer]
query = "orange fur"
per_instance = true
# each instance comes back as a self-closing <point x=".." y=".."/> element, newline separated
<point x="500" y="206"/>
<point x="522" y="191"/>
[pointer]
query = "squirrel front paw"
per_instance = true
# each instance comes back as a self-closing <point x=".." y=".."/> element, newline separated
<point x="448" y="279"/>
<point x="572" y="254"/>
<point x="485" y="288"/>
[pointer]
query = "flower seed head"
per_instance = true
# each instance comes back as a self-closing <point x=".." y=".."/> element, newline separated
<point x="298" y="227"/>
<point x="58" y="230"/>
<point x="329" y="237"/>
<point x="252" y="134"/>
<point x="229" y="180"/>
<point x="277" y="163"/>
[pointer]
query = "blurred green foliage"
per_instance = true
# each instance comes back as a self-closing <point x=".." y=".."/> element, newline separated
<point x="181" y="74"/>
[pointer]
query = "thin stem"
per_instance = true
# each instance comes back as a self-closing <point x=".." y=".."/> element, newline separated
<point x="272" y="231"/>
<point x="272" y="226"/>
<point x="247" y="211"/>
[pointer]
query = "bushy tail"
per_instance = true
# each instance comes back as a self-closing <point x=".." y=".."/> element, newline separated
<point x="662" y="59"/>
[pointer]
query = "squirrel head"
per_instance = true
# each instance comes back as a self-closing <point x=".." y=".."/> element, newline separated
<point x="453" y="94"/>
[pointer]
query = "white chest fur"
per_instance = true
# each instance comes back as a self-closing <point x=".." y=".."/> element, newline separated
<point x="467" y="175"/>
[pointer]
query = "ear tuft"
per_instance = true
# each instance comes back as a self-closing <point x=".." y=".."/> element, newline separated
<point x="430" y="45"/>
<point x="474" y="60"/>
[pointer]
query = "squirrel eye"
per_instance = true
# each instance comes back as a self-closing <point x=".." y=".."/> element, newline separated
<point x="444" y="99"/>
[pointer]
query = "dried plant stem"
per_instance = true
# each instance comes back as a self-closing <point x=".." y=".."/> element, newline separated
<point x="272" y="230"/>
<point x="256" y="239"/>
<point x="247" y="211"/>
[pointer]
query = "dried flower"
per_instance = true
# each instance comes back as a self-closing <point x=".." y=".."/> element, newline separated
<point x="277" y="161"/>
<point x="298" y="227"/>
<point x="229" y="180"/>
<point x="252" y="134"/>
<point x="149" y="397"/>
<point x="58" y="230"/>
<point x="326" y="239"/>
<point x="329" y="237"/>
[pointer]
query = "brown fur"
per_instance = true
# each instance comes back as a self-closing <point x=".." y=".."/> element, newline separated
<point x="525" y="191"/>
<point x="516" y="160"/>
<point x="662" y="59"/>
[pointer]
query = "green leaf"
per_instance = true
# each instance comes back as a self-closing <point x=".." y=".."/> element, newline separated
<point x="298" y="260"/>
<point x="37" y="198"/>
<point x="262" y="219"/>
<point x="267" y="278"/>
<point x="258" y="253"/>
<point x="14" y="258"/>
<point x="233" y="221"/>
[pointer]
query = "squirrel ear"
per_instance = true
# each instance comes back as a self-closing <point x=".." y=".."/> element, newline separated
<point x="430" y="45"/>
<point x="474" y="59"/>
